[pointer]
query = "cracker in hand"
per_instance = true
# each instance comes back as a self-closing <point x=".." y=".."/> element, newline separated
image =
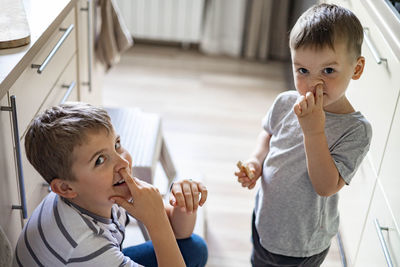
<point x="246" y="169"/>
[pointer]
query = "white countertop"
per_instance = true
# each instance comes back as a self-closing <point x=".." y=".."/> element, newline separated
<point x="43" y="17"/>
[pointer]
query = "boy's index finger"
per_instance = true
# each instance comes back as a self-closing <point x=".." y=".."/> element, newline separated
<point x="129" y="180"/>
<point x="319" y="96"/>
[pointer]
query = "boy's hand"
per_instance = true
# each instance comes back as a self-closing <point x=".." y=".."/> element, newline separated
<point x="185" y="194"/>
<point x="310" y="112"/>
<point x="145" y="198"/>
<point x="254" y="167"/>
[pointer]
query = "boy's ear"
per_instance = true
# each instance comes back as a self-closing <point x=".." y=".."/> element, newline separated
<point x="62" y="187"/>
<point x="359" y="68"/>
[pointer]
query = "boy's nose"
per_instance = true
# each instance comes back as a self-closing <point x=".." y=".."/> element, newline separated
<point x="314" y="83"/>
<point x="121" y="163"/>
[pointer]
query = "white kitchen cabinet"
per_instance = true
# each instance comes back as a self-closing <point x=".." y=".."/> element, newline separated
<point x="375" y="93"/>
<point x="55" y="50"/>
<point x="380" y="243"/>
<point x="32" y="87"/>
<point x="10" y="219"/>
<point x="390" y="176"/>
<point x="353" y="206"/>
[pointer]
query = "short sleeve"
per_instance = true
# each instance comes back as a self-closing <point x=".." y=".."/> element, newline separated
<point x="282" y="105"/>
<point x="351" y="149"/>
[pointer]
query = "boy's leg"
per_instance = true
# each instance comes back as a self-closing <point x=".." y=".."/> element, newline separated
<point x="193" y="249"/>
<point x="261" y="257"/>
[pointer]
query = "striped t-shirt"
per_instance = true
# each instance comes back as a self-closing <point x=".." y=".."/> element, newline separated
<point x="61" y="233"/>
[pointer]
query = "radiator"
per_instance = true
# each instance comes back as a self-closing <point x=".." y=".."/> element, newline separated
<point x="165" y="20"/>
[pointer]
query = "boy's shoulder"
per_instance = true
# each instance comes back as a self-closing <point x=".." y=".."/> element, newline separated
<point x="59" y="231"/>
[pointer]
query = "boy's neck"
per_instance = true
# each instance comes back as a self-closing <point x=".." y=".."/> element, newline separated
<point x="342" y="106"/>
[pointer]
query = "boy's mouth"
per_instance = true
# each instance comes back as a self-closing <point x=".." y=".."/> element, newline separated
<point x="120" y="182"/>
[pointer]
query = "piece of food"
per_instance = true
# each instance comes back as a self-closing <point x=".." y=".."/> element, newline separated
<point x="246" y="169"/>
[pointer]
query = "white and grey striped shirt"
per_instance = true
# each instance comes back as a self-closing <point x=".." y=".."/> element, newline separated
<point x="60" y="233"/>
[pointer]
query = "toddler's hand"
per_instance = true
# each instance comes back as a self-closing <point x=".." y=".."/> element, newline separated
<point x="310" y="112"/>
<point x="185" y="194"/>
<point x="145" y="198"/>
<point x="254" y="167"/>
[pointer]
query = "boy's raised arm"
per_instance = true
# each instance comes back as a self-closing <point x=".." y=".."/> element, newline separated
<point x="322" y="170"/>
<point x="148" y="207"/>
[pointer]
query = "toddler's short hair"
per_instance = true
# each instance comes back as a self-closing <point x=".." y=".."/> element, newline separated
<point x="53" y="135"/>
<point x="323" y="25"/>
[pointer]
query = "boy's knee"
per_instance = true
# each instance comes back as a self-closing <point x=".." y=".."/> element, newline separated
<point x="194" y="251"/>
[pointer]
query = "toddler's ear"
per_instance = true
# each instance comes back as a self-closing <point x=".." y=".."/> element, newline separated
<point x="61" y="187"/>
<point x="359" y="68"/>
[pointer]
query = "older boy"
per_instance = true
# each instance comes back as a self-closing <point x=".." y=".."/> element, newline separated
<point x="312" y="143"/>
<point x="75" y="149"/>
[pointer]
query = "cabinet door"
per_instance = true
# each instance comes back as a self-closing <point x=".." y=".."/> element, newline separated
<point x="375" y="239"/>
<point x="10" y="219"/>
<point x="375" y="93"/>
<point x="353" y="207"/>
<point x="389" y="176"/>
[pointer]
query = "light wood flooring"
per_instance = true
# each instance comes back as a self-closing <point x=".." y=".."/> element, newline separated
<point x="211" y="109"/>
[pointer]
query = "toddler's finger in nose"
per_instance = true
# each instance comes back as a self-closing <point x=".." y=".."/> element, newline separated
<point x="319" y="95"/>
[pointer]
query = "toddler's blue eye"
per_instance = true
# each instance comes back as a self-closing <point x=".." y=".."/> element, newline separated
<point x="302" y="70"/>
<point x="99" y="160"/>
<point x="329" y="70"/>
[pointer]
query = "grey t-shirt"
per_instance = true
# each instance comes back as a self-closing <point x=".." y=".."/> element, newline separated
<point x="291" y="218"/>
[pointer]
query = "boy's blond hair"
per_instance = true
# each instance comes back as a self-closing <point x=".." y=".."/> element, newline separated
<point x="53" y="135"/>
<point x="324" y="25"/>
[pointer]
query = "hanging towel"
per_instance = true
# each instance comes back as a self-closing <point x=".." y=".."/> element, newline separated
<point x="114" y="37"/>
<point x="5" y="250"/>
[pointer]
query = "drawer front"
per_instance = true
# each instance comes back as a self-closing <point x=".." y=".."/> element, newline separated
<point x="65" y="88"/>
<point x="375" y="93"/>
<point x="31" y="87"/>
<point x="390" y="176"/>
<point x="353" y="207"/>
<point x="36" y="187"/>
<point x="371" y="252"/>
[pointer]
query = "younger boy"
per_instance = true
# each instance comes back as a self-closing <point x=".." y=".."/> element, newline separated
<point x="312" y="143"/>
<point x="74" y="147"/>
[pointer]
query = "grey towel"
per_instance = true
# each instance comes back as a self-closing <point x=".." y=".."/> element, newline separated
<point x="114" y="37"/>
<point x="5" y="250"/>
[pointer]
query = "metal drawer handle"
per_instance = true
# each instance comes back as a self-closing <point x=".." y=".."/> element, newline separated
<point x="54" y="51"/>
<point x="379" y="230"/>
<point x="13" y="110"/>
<point x="372" y="48"/>
<point x="68" y="92"/>
<point x="89" y="42"/>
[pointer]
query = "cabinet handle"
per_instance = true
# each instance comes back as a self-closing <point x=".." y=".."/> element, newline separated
<point x="13" y="110"/>
<point x="89" y="42"/>
<point x="379" y="230"/>
<point x="40" y="68"/>
<point x="372" y="48"/>
<point x="68" y="92"/>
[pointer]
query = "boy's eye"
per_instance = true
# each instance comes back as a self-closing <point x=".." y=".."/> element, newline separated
<point x="99" y="160"/>
<point x="118" y="145"/>
<point x="302" y="70"/>
<point x="328" y="70"/>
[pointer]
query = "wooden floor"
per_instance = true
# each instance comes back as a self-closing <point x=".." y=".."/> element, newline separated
<point x="212" y="109"/>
